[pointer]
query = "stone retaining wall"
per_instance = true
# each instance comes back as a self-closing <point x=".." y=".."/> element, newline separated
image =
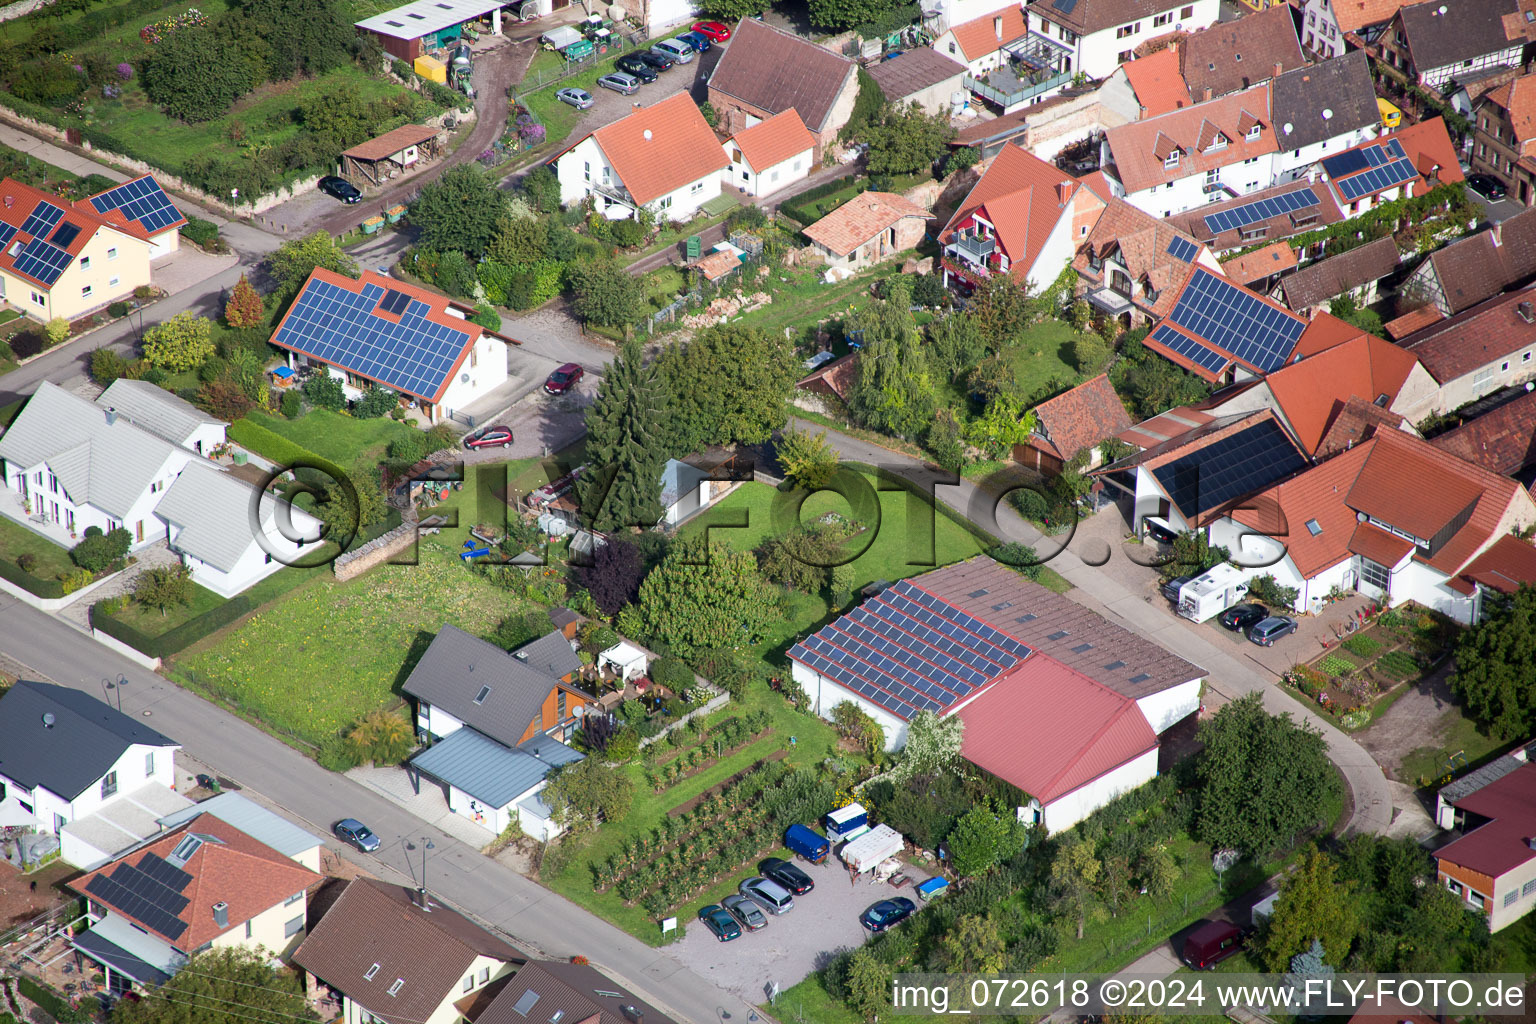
<point x="381" y="549"/>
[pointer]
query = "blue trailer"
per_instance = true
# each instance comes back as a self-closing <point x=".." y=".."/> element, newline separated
<point x="846" y="823"/>
<point x="807" y="843"/>
<point x="933" y="888"/>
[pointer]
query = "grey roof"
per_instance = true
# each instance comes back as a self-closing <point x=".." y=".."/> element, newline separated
<point x="456" y="666"/>
<point x="1339" y="88"/>
<point x="251" y="818"/>
<point x="1468" y="29"/>
<point x="543" y="990"/>
<point x="108" y="465"/>
<point x="1321" y="281"/>
<point x="69" y="756"/>
<point x="156" y="409"/>
<point x="423" y="17"/>
<point x="126" y="822"/>
<point x="124" y="948"/>
<point x="679" y="478"/>
<point x="492" y="773"/>
<point x="1493" y="771"/>
<point x="914" y="71"/>
<point x="213" y="509"/>
<point x="551" y="653"/>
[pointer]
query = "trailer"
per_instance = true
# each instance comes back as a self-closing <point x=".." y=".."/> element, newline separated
<point x="846" y="823"/>
<point x="1215" y="591"/>
<point x="560" y="38"/>
<point x="872" y="848"/>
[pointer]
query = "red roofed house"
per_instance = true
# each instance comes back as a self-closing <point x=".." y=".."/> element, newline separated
<point x="771" y="154"/>
<point x="980" y="44"/>
<point x="1132" y="264"/>
<point x="379" y="332"/>
<point x="1504" y="121"/>
<point x="1073" y="422"/>
<point x="1409" y="162"/>
<point x="1501" y="570"/>
<point x="1492" y="866"/>
<point x="868" y="228"/>
<point x="1477" y="352"/>
<point x="1023" y="217"/>
<point x="1365" y="520"/>
<point x="63" y="260"/>
<point x="663" y="157"/>
<point x="1156" y="82"/>
<point x="1090" y="697"/>
<point x="141" y="208"/>
<point x="205" y="885"/>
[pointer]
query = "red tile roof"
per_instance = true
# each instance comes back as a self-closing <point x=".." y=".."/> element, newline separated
<point x="1325" y="331"/>
<point x="1506" y="566"/>
<point x="1021" y="196"/>
<point x="1429" y="146"/>
<point x="228" y="867"/>
<point x="1157" y="82"/>
<point x="1316" y="496"/>
<point x="1381" y="547"/>
<point x="1353" y="15"/>
<point x="1079" y="730"/>
<point x="1311" y="392"/>
<point x="1502" y="440"/>
<point x="1281" y="225"/>
<point x="1165" y="426"/>
<point x="17" y="201"/>
<point x="834" y="378"/>
<point x="1275" y="258"/>
<point x="1080" y="418"/>
<point x="1482" y="335"/>
<point x="861" y="219"/>
<point x="1142" y="241"/>
<point x="1411" y="321"/>
<point x="1517" y="98"/>
<point x="1133" y="145"/>
<point x="1357" y="420"/>
<point x="775" y="140"/>
<point x="1231" y="55"/>
<point x="1479" y="267"/>
<point x="980" y="36"/>
<point x="660" y="148"/>
<point x="1499" y="846"/>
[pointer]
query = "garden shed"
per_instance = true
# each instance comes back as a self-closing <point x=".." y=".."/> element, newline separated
<point x="416" y="28"/>
<point x="392" y="153"/>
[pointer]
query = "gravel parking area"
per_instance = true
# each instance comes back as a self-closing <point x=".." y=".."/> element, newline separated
<point x="824" y="920"/>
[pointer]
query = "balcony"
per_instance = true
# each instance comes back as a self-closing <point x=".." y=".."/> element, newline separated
<point x="976" y="250"/>
<point x="1011" y="88"/>
<point x="616" y="193"/>
<point x="971" y="273"/>
<point x="1110" y="301"/>
<point x="1212" y="187"/>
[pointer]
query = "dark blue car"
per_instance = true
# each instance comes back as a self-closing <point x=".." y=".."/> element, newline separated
<point x="887" y="913"/>
<point x="719" y="921"/>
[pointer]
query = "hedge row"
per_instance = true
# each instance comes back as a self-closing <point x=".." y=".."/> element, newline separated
<point x="203" y="232"/>
<point x="271" y="445"/>
<point x="51" y="1002"/>
<point x="26" y="581"/>
<point x="800" y="207"/>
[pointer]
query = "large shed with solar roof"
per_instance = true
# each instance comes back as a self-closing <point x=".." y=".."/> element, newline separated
<point x="375" y="331"/>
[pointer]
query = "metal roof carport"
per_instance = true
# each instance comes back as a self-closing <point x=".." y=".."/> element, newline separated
<point x="118" y="946"/>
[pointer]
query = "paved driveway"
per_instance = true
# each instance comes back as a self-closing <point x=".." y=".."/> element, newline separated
<point x="824" y="920"/>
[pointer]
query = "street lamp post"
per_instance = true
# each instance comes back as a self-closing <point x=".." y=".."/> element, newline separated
<point x="108" y="686"/>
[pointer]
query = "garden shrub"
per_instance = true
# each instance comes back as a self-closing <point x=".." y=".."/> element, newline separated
<point x="75" y="579"/>
<point x="624" y="746"/>
<point x="118" y="309"/>
<point x="201" y="232"/>
<point x="27" y="561"/>
<point x="1267" y="591"/>
<point x="672" y="673"/>
<point x="336" y="755"/>
<point x="143" y="291"/>
<point x="97" y="550"/>
<point x="26" y="344"/>
<point x="292" y="405"/>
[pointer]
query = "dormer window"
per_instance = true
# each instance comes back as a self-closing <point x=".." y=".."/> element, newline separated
<point x="1253" y="133"/>
<point x="1219" y="142"/>
<point x="1171" y="160"/>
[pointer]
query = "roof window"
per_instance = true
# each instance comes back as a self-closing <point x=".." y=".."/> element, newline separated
<point x="394" y="989"/>
<point x="1060" y="634"/>
<point x="485" y="691"/>
<point x="525" y="1004"/>
<point x="370" y="972"/>
<point x="1314" y="527"/>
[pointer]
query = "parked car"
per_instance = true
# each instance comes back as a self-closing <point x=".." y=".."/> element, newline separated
<point x="787" y="875"/>
<point x="490" y="437"/>
<point x="698" y="40"/>
<point x="355" y="833"/>
<point x="674" y="48"/>
<point x="717" y="920"/>
<point x="578" y="98"/>
<point x="656" y="61"/>
<point x="1271" y="629"/>
<point x="1159" y="533"/>
<point x="1171" y="588"/>
<point x="632" y="64"/>
<point x="340" y="188"/>
<point x="1242" y="617"/>
<point x="748" y="914"/>
<point x="769" y="895"/>
<point x="713" y="29"/>
<point x="620" y="82"/>
<point x="1211" y="943"/>
<point x="1487" y="186"/>
<point x="887" y="913"/>
<point x="563" y="379"/>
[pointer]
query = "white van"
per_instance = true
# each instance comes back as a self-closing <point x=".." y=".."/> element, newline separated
<point x="674" y="48"/>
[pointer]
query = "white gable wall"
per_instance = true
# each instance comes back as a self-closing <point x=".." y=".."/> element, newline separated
<point x="826" y="694"/>
<point x="1291" y="164"/>
<point x="486" y="368"/>
<point x="54" y="503"/>
<point x="1070" y="808"/>
<point x="742" y="175"/>
<point x="139" y="764"/>
<point x="1167" y="708"/>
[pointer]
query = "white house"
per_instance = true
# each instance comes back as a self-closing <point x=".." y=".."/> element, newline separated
<point x="73" y="464"/>
<point x="663" y="158"/>
<point x="65" y="754"/>
<point x="1104" y="34"/>
<point x="770" y="155"/>
<point x="1319" y="110"/>
<point x="142" y="209"/>
<point x="374" y="331"/>
<point x="981" y="43"/>
<point x="204" y="885"/>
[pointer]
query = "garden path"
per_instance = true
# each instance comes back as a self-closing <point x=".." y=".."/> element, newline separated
<point x="157" y="555"/>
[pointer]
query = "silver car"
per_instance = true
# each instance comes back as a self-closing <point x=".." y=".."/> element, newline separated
<point x="621" y="83"/>
<point x="578" y="98"/>
<point x="674" y="48"/>
<point x="768" y="894"/>
<point x="745" y="912"/>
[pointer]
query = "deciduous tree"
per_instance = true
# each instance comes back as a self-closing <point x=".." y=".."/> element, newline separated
<point x="163" y="587"/>
<point x="347" y="510"/>
<point x="604" y="293"/>
<point x="904" y="140"/>
<point x="585" y="793"/>
<point x="933" y="745"/>
<point x="244" y="308"/>
<point x="806" y="458"/>
<point x="1005" y="423"/>
<point x="1074" y="879"/>
<point x="1313" y="905"/>
<point x="869" y="984"/>
<point x="986" y="834"/>
<point x="729" y="384"/>
<point x="613" y="578"/>
<point x="292" y="262"/>
<point x="203" y="991"/>
<point x="974" y="944"/>
<point x="542" y="189"/>
<point x="624" y="446"/>
<point x="460" y="211"/>
<point x="702" y="597"/>
<point x="196" y="74"/>
<point x="1496" y="667"/>
<point x="893" y="392"/>
<point x="325" y="392"/>
<point x="183" y="342"/>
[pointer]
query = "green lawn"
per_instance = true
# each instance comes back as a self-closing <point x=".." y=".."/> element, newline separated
<point x="1452" y="732"/>
<point x="151" y="622"/>
<point x="662" y="285"/>
<point x="815" y="740"/>
<point x="17" y="540"/>
<point x="1042" y="354"/>
<point x="331" y="435"/>
<point x="801" y="299"/>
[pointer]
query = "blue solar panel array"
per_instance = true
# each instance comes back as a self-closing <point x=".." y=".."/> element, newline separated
<point x="340" y="327"/>
<point x="1375" y="154"/>
<point x="42" y="220"/>
<point x="1202" y="356"/>
<point x="908" y="651"/>
<point x="1182" y="249"/>
<point x="1235" y="321"/>
<point x="1377" y="179"/>
<point x="7" y="232"/>
<point x="1260" y="210"/>
<point x="143" y="201"/>
<point x="42" y="261"/>
<point x="150" y="893"/>
<point x="1234" y="467"/>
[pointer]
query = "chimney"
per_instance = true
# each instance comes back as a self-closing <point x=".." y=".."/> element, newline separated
<point x="634" y="1014"/>
<point x="111" y="415"/>
<point x="1063" y="193"/>
<point x="221" y="914"/>
<point x="1278" y="69"/>
<point x="1497" y="233"/>
<point x="1207" y="93"/>
<point x="635" y="105"/>
<point x="997" y="26"/>
<point x="10" y="201"/>
<point x="1526" y="312"/>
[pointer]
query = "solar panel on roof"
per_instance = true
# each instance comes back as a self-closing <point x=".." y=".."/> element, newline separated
<point x="1233" y="320"/>
<point x="7" y="232"/>
<point x="1201" y="355"/>
<point x="42" y="261"/>
<point x="394" y="302"/>
<point x="1229" y="468"/>
<point x="1182" y="249"/>
<point x="41" y="220"/>
<point x="1260" y="210"/>
<point x="1377" y="179"/>
<point x="64" y="234"/>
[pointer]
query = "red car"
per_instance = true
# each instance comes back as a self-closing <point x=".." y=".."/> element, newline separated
<point x="716" y="32"/>
<point x="563" y="379"/>
<point x="490" y="437"/>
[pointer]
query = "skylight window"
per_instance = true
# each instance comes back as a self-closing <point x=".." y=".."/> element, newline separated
<point x="525" y="1005"/>
<point x="979" y="593"/>
<point x="1314" y="527"/>
<point x="1060" y="634"/>
<point x="485" y="691"/>
<point x="1114" y="665"/>
<point x="394" y="989"/>
<point x="370" y="972"/>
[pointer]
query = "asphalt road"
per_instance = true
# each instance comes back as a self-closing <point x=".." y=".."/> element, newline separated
<point x="542" y="922"/>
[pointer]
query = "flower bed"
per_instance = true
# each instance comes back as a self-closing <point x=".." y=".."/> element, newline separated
<point x="1395" y="647"/>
